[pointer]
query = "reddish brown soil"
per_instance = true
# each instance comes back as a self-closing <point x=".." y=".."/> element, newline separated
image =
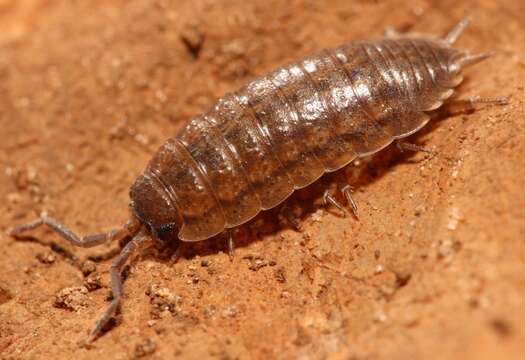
<point x="434" y="268"/>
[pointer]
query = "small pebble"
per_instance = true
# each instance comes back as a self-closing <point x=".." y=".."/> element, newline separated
<point x="93" y="282"/>
<point x="46" y="258"/>
<point x="72" y="298"/>
<point x="205" y="263"/>
<point x="145" y="348"/>
<point x="163" y="301"/>
<point x="88" y="267"/>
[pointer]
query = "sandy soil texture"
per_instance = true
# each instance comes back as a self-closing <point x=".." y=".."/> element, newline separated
<point x="433" y="269"/>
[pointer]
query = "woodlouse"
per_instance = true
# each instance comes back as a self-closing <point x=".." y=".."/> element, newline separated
<point x="279" y="133"/>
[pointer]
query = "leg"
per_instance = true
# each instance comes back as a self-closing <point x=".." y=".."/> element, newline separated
<point x="287" y="213"/>
<point x="130" y="227"/>
<point x="176" y="255"/>
<point x="473" y="103"/>
<point x="116" y="284"/>
<point x="347" y="193"/>
<point x="231" y="245"/>
<point x="403" y="146"/>
<point x="328" y="199"/>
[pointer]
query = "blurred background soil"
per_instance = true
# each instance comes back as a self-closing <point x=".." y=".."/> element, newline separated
<point x="433" y="269"/>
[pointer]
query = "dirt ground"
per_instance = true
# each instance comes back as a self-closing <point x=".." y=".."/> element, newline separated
<point x="433" y="269"/>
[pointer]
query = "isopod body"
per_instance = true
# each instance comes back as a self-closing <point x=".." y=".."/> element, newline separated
<point x="282" y="131"/>
<point x="279" y="133"/>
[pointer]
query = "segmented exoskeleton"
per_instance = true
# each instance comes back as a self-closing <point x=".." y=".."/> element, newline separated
<point x="279" y="133"/>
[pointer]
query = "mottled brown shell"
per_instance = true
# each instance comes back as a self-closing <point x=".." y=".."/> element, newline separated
<point x="282" y="131"/>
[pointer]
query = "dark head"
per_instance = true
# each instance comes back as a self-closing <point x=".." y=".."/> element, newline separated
<point x="152" y="205"/>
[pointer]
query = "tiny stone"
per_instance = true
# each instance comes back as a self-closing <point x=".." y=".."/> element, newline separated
<point x="209" y="311"/>
<point x="72" y="298"/>
<point x="163" y="301"/>
<point x="257" y="264"/>
<point x="285" y="294"/>
<point x="88" y="267"/>
<point x="419" y="210"/>
<point x="14" y="197"/>
<point x="279" y="275"/>
<point x="70" y="168"/>
<point x="46" y="258"/>
<point x="146" y="348"/>
<point x="380" y="316"/>
<point x="205" y="263"/>
<point x="93" y="282"/>
<point x="379" y="269"/>
<point x="231" y="312"/>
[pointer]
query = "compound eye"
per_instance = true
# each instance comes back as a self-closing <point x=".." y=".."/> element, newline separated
<point x="165" y="232"/>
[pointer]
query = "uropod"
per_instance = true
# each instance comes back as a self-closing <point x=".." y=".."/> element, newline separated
<point x="279" y="133"/>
